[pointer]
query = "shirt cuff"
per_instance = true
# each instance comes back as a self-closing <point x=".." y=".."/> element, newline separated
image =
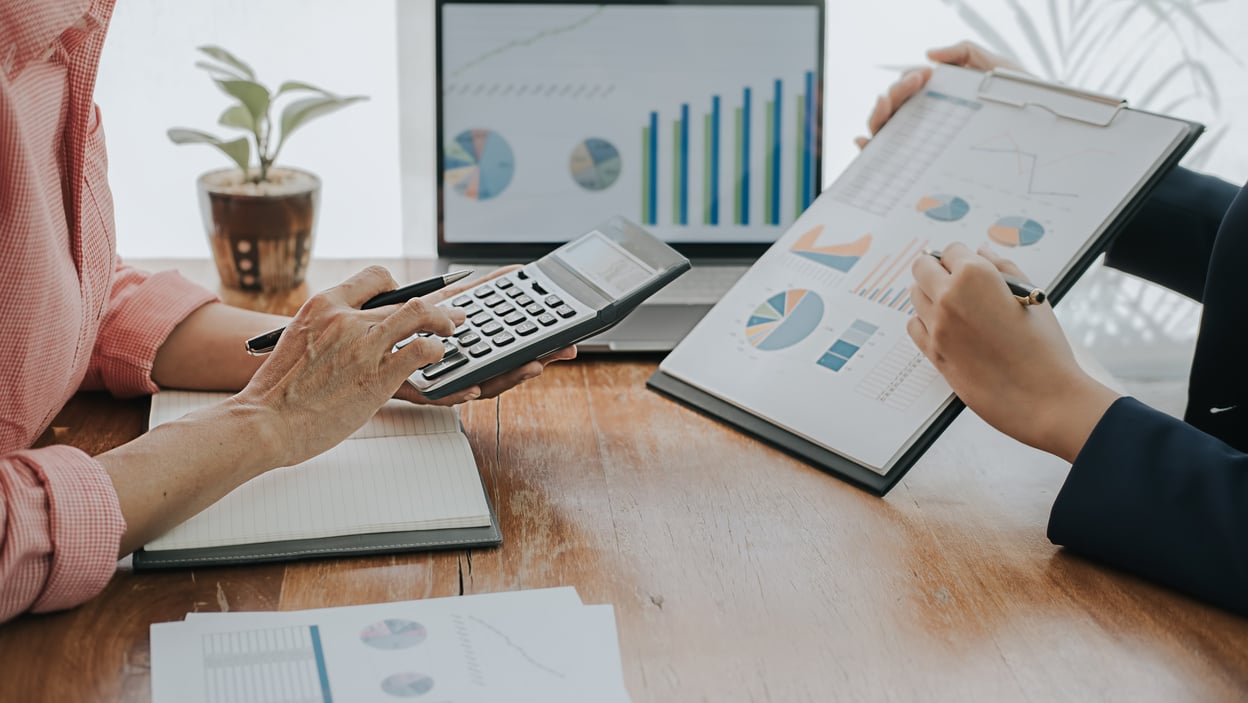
<point x="85" y="525"/>
<point x="135" y="329"/>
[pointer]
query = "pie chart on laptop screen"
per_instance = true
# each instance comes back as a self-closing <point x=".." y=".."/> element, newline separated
<point x="479" y="164"/>
<point x="595" y="164"/>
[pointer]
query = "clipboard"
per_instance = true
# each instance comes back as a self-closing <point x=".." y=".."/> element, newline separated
<point x="1000" y="89"/>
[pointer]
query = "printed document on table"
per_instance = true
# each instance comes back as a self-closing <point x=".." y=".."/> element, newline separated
<point x="523" y="646"/>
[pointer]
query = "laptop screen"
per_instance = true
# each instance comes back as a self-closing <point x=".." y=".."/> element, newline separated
<point x="700" y="122"/>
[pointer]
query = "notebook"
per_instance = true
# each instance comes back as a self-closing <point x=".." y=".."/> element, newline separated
<point x="555" y="116"/>
<point x="406" y="480"/>
<point x="809" y="351"/>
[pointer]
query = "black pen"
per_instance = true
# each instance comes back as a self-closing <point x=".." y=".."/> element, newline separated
<point x="1024" y="292"/>
<point x="263" y="344"/>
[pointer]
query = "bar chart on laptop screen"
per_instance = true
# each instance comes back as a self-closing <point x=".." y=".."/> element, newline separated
<point x="699" y="122"/>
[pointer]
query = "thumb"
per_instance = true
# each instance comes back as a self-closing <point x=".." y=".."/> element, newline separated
<point x="959" y="54"/>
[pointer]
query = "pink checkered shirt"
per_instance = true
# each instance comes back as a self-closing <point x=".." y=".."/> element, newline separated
<point x="71" y="315"/>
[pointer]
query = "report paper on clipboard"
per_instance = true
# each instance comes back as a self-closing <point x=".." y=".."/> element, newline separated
<point x="809" y="350"/>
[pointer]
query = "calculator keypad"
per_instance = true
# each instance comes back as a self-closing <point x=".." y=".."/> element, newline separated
<point x="499" y="313"/>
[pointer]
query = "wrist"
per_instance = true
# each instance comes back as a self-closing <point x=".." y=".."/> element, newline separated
<point x="261" y="431"/>
<point x="1072" y="415"/>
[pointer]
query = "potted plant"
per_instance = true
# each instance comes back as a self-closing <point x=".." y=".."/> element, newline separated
<point x="260" y="217"/>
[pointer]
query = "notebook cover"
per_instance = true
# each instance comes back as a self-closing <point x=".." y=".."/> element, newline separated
<point x="323" y="547"/>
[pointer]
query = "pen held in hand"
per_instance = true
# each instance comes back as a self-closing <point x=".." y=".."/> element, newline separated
<point x="1024" y="292"/>
<point x="263" y="344"/>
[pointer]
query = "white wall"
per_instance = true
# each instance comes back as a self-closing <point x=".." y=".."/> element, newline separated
<point x="147" y="84"/>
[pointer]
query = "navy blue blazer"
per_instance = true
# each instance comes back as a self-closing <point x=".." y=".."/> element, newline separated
<point x="1164" y="498"/>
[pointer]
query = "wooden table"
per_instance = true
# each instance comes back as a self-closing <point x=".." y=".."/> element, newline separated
<point x="736" y="572"/>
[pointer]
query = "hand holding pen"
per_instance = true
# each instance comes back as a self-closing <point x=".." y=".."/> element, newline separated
<point x="263" y="344"/>
<point x="1024" y="292"/>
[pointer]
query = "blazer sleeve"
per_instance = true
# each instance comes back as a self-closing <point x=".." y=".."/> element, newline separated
<point x="1169" y="241"/>
<point x="1153" y="495"/>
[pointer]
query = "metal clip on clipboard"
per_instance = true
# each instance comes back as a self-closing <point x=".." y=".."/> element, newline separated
<point x="1020" y="90"/>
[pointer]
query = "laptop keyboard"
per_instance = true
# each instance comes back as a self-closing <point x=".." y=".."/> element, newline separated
<point x="701" y="285"/>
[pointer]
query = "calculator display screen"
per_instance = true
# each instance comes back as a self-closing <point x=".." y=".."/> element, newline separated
<point x="606" y="265"/>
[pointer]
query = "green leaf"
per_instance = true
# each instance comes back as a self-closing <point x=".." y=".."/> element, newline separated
<point x="290" y="86"/>
<point x="239" y="150"/>
<point x="239" y="117"/>
<point x="251" y="94"/>
<point x="300" y="112"/>
<point x="218" y="71"/>
<point x="229" y="59"/>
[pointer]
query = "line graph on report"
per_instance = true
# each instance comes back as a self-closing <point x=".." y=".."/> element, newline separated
<point x="1033" y="173"/>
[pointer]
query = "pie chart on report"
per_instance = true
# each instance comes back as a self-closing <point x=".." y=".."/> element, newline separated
<point x="479" y="164"/>
<point x="1015" y="231"/>
<point x="784" y="320"/>
<point x="595" y="164"/>
<point x="943" y="208"/>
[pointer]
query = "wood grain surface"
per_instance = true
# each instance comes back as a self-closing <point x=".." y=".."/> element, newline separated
<point x="737" y="573"/>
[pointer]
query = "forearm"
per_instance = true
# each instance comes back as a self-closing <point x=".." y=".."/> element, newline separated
<point x="179" y="468"/>
<point x="1170" y="240"/>
<point x="205" y="352"/>
<point x="1154" y="495"/>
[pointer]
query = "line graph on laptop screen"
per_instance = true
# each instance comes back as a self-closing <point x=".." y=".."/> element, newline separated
<point x="698" y="122"/>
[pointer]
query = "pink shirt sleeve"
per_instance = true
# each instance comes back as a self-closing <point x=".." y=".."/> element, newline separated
<point x="62" y="521"/>
<point x="142" y="310"/>
<point x="63" y="529"/>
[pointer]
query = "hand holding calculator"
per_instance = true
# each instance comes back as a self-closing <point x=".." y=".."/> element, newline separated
<point x="572" y="293"/>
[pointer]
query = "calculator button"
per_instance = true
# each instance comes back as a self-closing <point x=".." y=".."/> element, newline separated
<point x="537" y="287"/>
<point x="483" y="291"/>
<point x="465" y="329"/>
<point x="491" y="329"/>
<point x="481" y="318"/>
<point x="472" y="309"/>
<point x="503" y="283"/>
<point x="522" y="275"/>
<point x="565" y="311"/>
<point x="461" y="301"/>
<point x="535" y="309"/>
<point x="553" y="301"/>
<point x="469" y="339"/>
<point x="515" y="293"/>
<point x="504" y="309"/>
<point x="445" y="366"/>
<point x="546" y="319"/>
<point x="503" y="339"/>
<point x="524" y="301"/>
<point x="515" y="319"/>
<point x="526" y="329"/>
<point x="480" y="350"/>
<point x="493" y="301"/>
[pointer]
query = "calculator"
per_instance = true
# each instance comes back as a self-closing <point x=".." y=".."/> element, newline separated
<point x="574" y="292"/>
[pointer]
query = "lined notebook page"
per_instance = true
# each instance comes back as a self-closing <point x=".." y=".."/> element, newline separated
<point x="374" y="482"/>
<point x="395" y="419"/>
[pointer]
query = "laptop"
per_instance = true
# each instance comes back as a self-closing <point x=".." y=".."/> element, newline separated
<point x="698" y="121"/>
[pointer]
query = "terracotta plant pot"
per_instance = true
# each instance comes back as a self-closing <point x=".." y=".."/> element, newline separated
<point x="261" y="233"/>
